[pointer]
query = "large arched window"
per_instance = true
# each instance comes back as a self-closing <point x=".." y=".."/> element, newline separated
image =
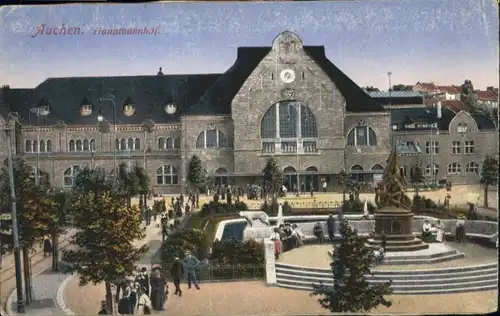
<point x="377" y="167"/>
<point x="361" y="136"/>
<point x="286" y="124"/>
<point x="49" y="145"/>
<point x="211" y="138"/>
<point x="69" y="176"/>
<point x="42" y="146"/>
<point x="71" y="145"/>
<point x="167" y="175"/>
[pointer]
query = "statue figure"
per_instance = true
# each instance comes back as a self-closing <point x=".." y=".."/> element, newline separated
<point x="392" y="189"/>
<point x="255" y="218"/>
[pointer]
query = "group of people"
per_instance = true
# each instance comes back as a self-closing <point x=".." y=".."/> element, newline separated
<point x="187" y="268"/>
<point x="286" y="237"/>
<point x="429" y="230"/>
<point x="319" y="232"/>
<point x="141" y="293"/>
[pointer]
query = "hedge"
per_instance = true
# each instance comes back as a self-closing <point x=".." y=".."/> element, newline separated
<point x="214" y="273"/>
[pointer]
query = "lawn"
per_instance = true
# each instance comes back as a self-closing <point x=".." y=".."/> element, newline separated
<point x="209" y="225"/>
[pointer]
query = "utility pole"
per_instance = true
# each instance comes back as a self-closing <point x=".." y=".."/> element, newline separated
<point x="15" y="227"/>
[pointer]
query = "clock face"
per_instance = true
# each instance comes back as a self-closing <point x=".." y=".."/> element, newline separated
<point x="287" y="75"/>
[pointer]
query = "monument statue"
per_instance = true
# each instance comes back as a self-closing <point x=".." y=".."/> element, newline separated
<point x="393" y="219"/>
<point x="392" y="189"/>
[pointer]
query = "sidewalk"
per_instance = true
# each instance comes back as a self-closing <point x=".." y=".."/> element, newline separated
<point x="48" y="287"/>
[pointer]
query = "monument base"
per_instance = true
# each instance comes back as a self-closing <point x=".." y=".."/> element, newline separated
<point x="396" y="225"/>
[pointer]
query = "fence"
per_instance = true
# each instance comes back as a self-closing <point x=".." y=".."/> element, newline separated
<point x="225" y="273"/>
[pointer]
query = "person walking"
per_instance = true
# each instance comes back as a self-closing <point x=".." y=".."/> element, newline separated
<point x="176" y="272"/>
<point x="330" y="223"/>
<point x="190" y="265"/>
<point x="47" y="247"/>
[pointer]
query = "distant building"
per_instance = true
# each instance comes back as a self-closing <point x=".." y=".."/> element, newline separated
<point x="488" y="97"/>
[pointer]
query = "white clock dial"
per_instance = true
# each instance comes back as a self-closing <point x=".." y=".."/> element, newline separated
<point x="287" y="76"/>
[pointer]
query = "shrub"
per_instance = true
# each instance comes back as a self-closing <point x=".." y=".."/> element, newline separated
<point x="233" y="252"/>
<point x="179" y="242"/>
<point x="271" y="209"/>
<point x="213" y="207"/>
<point x="241" y="206"/>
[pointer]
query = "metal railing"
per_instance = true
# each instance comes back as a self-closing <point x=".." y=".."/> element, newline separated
<point x="224" y="273"/>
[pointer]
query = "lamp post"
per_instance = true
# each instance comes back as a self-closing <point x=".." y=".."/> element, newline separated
<point x="38" y="111"/>
<point x="15" y="227"/>
<point x="111" y="98"/>
<point x="389" y="74"/>
<point x="297" y="107"/>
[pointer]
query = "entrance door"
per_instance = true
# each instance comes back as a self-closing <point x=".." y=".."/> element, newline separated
<point x="312" y="179"/>
<point x="221" y="177"/>
<point x="290" y="178"/>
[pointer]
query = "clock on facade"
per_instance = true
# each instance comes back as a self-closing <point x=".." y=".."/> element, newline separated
<point x="287" y="75"/>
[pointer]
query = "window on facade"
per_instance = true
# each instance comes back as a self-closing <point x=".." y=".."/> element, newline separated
<point x="361" y="136"/>
<point x="454" y="168"/>
<point x="86" y="145"/>
<point x="356" y="168"/>
<point x="283" y="124"/>
<point x="130" y="144"/>
<point x="71" y="145"/>
<point x="27" y="146"/>
<point x="177" y="142"/>
<point x="42" y="146"/>
<point x="35" y="146"/>
<point x="469" y="146"/>
<point x="462" y="128"/>
<point x="79" y="145"/>
<point x="69" y="176"/>
<point x="49" y="145"/>
<point x="137" y="144"/>
<point x="211" y="139"/>
<point x="161" y="143"/>
<point x="456" y="147"/>
<point x="432" y="147"/>
<point x="92" y="144"/>
<point x="123" y="144"/>
<point x="167" y="175"/>
<point x="431" y="169"/>
<point x="170" y="143"/>
<point x="472" y="168"/>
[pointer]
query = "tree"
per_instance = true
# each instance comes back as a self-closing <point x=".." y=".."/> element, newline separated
<point x="344" y="183"/>
<point x="36" y="210"/>
<point x="128" y="183"/>
<point x="371" y="89"/>
<point x="273" y="177"/>
<point x="401" y="87"/>
<point x="351" y="291"/>
<point x="59" y="221"/>
<point x="417" y="176"/>
<point x="489" y="175"/>
<point x="468" y="96"/>
<point x="196" y="175"/>
<point x="106" y="232"/>
<point x="143" y="182"/>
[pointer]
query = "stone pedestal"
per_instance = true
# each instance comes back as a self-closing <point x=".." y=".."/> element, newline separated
<point x="396" y="223"/>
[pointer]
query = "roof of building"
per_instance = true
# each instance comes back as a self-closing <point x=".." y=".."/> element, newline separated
<point x="449" y="89"/>
<point x="149" y="94"/>
<point x="455" y="105"/>
<point x="407" y="148"/>
<point x="395" y="94"/>
<point x="486" y="95"/>
<point x="428" y="86"/>
<point x="217" y="100"/>
<point x="421" y="119"/>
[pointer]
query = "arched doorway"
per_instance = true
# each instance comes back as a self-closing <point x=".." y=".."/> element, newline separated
<point x="290" y="178"/>
<point x="221" y="177"/>
<point x="312" y="179"/>
<point x="357" y="173"/>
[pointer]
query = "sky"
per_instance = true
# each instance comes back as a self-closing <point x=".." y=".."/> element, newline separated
<point x="444" y="41"/>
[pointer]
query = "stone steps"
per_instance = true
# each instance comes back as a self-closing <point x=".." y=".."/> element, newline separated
<point x="432" y="281"/>
<point x="430" y="260"/>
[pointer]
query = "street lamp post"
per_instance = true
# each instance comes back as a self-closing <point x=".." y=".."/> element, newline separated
<point x="15" y="227"/>
<point x="111" y="98"/>
<point x="38" y="111"/>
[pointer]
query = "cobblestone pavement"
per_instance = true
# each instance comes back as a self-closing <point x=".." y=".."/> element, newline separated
<point x="316" y="256"/>
<point x="255" y="298"/>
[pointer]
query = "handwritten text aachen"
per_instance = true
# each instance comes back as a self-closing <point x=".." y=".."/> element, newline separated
<point x="63" y="30"/>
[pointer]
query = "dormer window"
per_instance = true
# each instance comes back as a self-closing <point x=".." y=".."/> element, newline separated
<point x="129" y="107"/>
<point x="85" y="107"/>
<point x="170" y="108"/>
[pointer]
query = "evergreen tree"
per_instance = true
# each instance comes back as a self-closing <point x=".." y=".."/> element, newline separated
<point x="351" y="291"/>
<point x="196" y="175"/>
<point x="489" y="176"/>
<point x="417" y="176"/>
<point x="273" y="177"/>
<point x="107" y="230"/>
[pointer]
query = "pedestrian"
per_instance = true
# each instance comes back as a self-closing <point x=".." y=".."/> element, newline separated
<point x="124" y="304"/>
<point x="324" y="186"/>
<point x="330" y="223"/>
<point x="104" y="309"/>
<point x="47" y="247"/>
<point x="158" y="290"/>
<point x="134" y="292"/>
<point x="143" y="280"/>
<point x="144" y="303"/>
<point x="318" y="232"/>
<point x="190" y="265"/>
<point x="176" y="272"/>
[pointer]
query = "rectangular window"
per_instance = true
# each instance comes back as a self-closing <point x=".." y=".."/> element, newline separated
<point x="469" y="146"/>
<point x="361" y="137"/>
<point x="432" y="147"/>
<point x="456" y="147"/>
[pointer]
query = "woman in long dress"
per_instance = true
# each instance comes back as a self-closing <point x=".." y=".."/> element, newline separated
<point x="144" y="305"/>
<point x="440" y="231"/>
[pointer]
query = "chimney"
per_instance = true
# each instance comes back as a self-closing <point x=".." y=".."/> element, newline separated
<point x="439" y="114"/>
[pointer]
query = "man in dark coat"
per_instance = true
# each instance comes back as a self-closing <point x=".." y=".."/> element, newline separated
<point x="330" y="223"/>
<point x="158" y="290"/>
<point x="47" y="247"/>
<point x="176" y="272"/>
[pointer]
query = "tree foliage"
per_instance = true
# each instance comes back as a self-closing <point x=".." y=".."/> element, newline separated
<point x="105" y="239"/>
<point x="36" y="208"/>
<point x="468" y="96"/>
<point x="351" y="292"/>
<point x="196" y="173"/>
<point x="371" y="89"/>
<point x="273" y="177"/>
<point x="489" y="175"/>
<point x="417" y="175"/>
<point x="401" y="87"/>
